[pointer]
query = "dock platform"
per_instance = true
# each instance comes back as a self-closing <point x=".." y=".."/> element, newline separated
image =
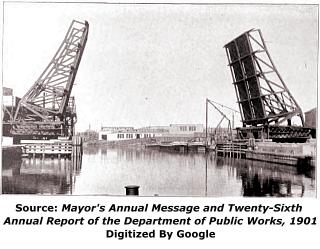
<point x="231" y="149"/>
<point x="302" y="154"/>
<point x="48" y="149"/>
<point x="55" y="148"/>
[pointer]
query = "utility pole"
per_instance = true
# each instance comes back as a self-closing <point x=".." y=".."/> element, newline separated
<point x="206" y="122"/>
<point x="232" y="120"/>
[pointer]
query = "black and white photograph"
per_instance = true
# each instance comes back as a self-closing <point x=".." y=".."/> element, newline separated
<point x="159" y="100"/>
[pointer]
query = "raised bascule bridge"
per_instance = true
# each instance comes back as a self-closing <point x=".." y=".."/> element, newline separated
<point x="43" y="120"/>
<point x="266" y="105"/>
<point x="47" y="110"/>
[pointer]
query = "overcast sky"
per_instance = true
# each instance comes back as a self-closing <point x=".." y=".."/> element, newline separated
<point x="156" y="64"/>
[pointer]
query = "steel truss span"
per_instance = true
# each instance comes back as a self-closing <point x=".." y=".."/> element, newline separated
<point x="47" y="109"/>
<point x="262" y="95"/>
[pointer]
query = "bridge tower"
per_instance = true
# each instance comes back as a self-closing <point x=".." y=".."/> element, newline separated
<point x="47" y="110"/>
<point x="265" y="102"/>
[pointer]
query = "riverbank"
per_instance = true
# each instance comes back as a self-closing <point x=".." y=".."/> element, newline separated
<point x="140" y="142"/>
<point x="122" y="143"/>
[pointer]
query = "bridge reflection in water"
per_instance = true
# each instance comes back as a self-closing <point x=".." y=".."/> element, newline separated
<point x="39" y="176"/>
<point x="106" y="171"/>
<point x="267" y="179"/>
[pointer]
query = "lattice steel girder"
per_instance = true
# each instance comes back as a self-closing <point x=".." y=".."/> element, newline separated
<point x="43" y="128"/>
<point x="262" y="95"/>
<point x="48" y="98"/>
<point x="276" y="132"/>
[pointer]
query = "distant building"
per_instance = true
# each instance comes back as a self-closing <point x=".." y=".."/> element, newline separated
<point x="8" y="100"/>
<point x="155" y="129"/>
<point x="125" y="133"/>
<point x="185" y="129"/>
<point x="311" y="118"/>
<point x="7" y="91"/>
<point x="114" y="129"/>
<point x="9" y="103"/>
<point x="89" y="135"/>
<point x="128" y="133"/>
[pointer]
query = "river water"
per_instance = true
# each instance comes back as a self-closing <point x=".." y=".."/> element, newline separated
<point x="106" y="171"/>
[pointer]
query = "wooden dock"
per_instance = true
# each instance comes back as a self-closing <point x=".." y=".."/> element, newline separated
<point x="231" y="149"/>
<point x="48" y="149"/>
<point x="280" y="153"/>
<point x="57" y="148"/>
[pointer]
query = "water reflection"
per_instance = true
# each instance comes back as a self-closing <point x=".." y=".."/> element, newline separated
<point x="107" y="170"/>
<point x="39" y="176"/>
<point x="92" y="150"/>
<point x="268" y="179"/>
